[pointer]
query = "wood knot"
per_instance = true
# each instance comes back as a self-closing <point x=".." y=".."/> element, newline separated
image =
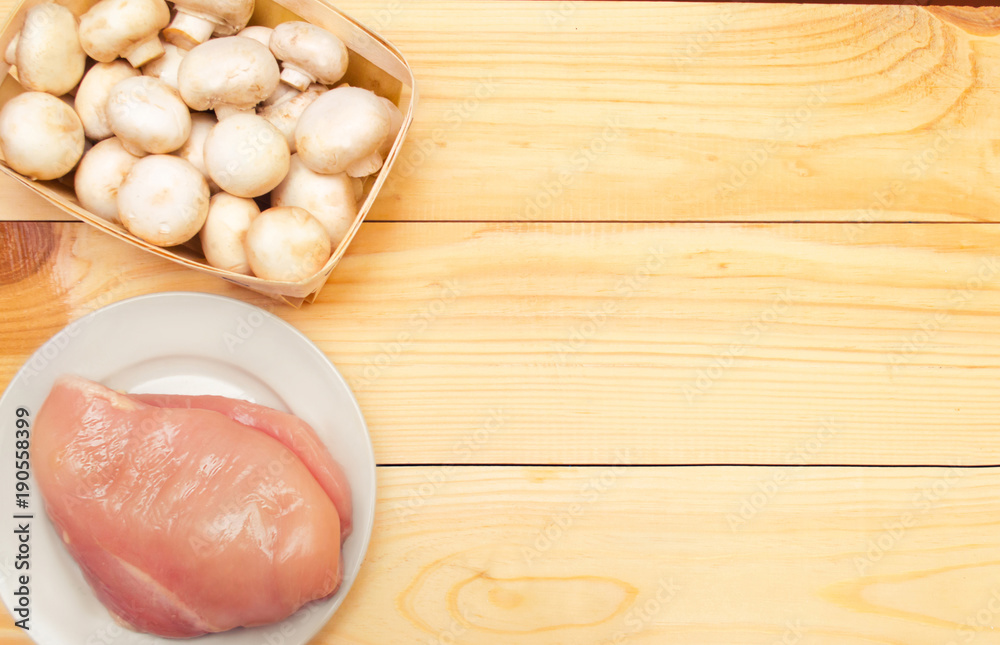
<point x="978" y="21"/>
<point x="28" y="247"/>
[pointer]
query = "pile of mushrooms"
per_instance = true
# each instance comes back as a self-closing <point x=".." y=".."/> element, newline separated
<point x="182" y="122"/>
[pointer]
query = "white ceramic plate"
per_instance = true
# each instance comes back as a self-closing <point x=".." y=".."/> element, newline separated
<point x="175" y="343"/>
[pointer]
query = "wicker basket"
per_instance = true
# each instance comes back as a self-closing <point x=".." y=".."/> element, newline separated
<point x="375" y="64"/>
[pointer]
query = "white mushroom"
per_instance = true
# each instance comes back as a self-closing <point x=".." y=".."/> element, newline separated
<point x="329" y="198"/>
<point x="92" y="96"/>
<point x="308" y="54"/>
<point x="165" y="67"/>
<point x="225" y="231"/>
<point x="263" y="35"/>
<point x="342" y="131"/>
<point x="282" y="93"/>
<point x="47" y="50"/>
<point x="99" y="175"/>
<point x="284" y="115"/>
<point x="228" y="75"/>
<point x="124" y="28"/>
<point x="163" y="200"/>
<point x="395" y="125"/>
<point x="41" y="137"/>
<point x="259" y="33"/>
<point x="148" y="116"/>
<point x="287" y="244"/>
<point x="246" y="156"/>
<point x="193" y="149"/>
<point x="197" y="20"/>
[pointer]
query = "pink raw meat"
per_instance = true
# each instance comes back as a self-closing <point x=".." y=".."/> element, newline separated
<point x="296" y="434"/>
<point x="183" y="520"/>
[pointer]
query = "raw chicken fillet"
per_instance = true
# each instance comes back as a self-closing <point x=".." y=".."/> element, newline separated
<point x="190" y="515"/>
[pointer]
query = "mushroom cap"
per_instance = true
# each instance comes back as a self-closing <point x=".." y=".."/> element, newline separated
<point x="229" y="16"/>
<point x="193" y="149"/>
<point x="287" y="244"/>
<point x="284" y="115"/>
<point x="148" y="115"/>
<point x="165" y="67"/>
<point x="341" y="127"/>
<point x="260" y="33"/>
<point x="92" y="96"/>
<point x="395" y="125"/>
<point x="328" y="198"/>
<point x="48" y="56"/>
<point x="310" y="51"/>
<point x="246" y="156"/>
<point x="230" y="71"/>
<point x="99" y="175"/>
<point x="225" y="231"/>
<point x="112" y="28"/>
<point x="41" y="136"/>
<point x="163" y="200"/>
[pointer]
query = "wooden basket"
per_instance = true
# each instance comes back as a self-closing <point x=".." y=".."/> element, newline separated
<point x="375" y="64"/>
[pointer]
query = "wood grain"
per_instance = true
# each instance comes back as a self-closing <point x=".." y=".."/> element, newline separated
<point x="831" y="556"/>
<point x="723" y="111"/>
<point x="682" y="343"/>
<point x="687" y="111"/>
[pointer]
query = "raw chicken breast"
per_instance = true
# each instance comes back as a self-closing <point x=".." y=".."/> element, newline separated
<point x="183" y="520"/>
<point x="290" y="430"/>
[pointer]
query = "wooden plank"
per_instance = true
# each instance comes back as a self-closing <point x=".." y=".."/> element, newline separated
<point x="561" y="343"/>
<point x="688" y="111"/>
<point x="844" y="556"/>
<point x="694" y="111"/>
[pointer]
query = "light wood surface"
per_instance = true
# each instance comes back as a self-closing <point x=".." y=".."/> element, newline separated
<point x="770" y="254"/>
<point x="685" y="343"/>
<point x="832" y="556"/>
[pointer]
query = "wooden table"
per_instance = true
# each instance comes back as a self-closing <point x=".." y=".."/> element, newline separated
<point x="676" y="323"/>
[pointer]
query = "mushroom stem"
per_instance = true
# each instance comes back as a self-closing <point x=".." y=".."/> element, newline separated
<point x="187" y="31"/>
<point x="144" y="51"/>
<point x="283" y="93"/>
<point x="226" y="111"/>
<point x="296" y="76"/>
